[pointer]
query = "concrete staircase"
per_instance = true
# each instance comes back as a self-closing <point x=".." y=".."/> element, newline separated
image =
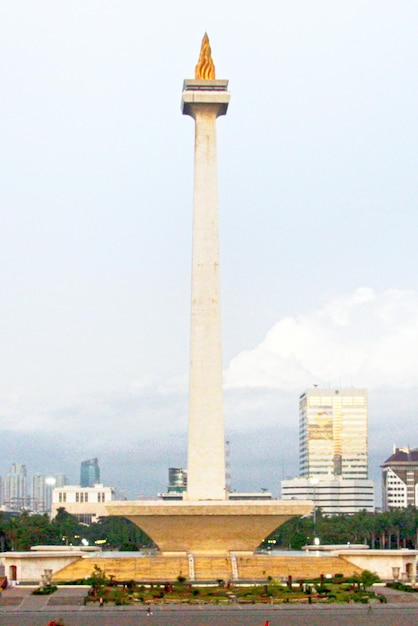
<point x="212" y="568"/>
<point x="168" y="568"/>
<point x="142" y="568"/>
<point x="280" y="567"/>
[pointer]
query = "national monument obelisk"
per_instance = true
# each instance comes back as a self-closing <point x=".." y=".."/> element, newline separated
<point x="206" y="521"/>
<point x="205" y="99"/>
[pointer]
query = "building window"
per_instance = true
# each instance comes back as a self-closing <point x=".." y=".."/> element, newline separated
<point x="85" y="518"/>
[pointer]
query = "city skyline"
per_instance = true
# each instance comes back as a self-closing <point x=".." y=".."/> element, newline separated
<point x="317" y="195"/>
<point x="21" y="490"/>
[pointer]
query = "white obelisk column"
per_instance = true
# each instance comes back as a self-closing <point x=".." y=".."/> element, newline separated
<point x="205" y="100"/>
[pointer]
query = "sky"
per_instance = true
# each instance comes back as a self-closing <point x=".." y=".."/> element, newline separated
<point x="318" y="193"/>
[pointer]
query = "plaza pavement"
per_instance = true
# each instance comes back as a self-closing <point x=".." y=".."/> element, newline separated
<point x="301" y="615"/>
<point x="19" y="608"/>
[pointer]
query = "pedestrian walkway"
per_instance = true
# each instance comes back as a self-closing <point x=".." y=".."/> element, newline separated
<point x="33" y="603"/>
<point x="395" y="596"/>
<point x="21" y="598"/>
<point x="14" y="596"/>
<point x="69" y="596"/>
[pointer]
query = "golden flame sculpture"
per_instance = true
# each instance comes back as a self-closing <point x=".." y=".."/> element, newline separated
<point x="205" y="69"/>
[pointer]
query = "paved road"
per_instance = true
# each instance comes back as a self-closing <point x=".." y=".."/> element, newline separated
<point x="354" y="615"/>
<point x="19" y="608"/>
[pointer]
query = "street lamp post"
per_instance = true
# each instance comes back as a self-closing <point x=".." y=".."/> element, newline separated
<point x="314" y="482"/>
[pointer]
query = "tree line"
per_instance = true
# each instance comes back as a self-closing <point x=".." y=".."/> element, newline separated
<point x="393" y="529"/>
<point x="20" y="532"/>
<point x="389" y="530"/>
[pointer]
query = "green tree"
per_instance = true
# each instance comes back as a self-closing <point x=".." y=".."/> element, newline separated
<point x="367" y="579"/>
<point x="30" y="530"/>
<point x="66" y="528"/>
<point x="116" y="532"/>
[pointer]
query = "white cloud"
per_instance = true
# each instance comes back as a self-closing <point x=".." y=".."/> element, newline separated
<point x="364" y="338"/>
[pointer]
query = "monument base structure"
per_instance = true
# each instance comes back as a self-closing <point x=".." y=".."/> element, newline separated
<point x="209" y="528"/>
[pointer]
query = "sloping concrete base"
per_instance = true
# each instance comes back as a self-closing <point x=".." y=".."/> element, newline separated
<point x="209" y="568"/>
<point x="205" y="527"/>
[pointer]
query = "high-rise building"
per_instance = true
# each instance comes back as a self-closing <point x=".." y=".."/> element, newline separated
<point x="333" y="433"/>
<point x="15" y="494"/>
<point x="177" y="480"/>
<point x="89" y="473"/>
<point x="400" y="479"/>
<point x="333" y="452"/>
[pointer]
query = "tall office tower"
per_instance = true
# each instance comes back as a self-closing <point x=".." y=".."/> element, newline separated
<point x="333" y="452"/>
<point x="89" y="473"/>
<point x="15" y="497"/>
<point x="333" y="433"/>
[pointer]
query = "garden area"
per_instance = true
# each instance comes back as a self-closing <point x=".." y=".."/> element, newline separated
<point x="338" y="590"/>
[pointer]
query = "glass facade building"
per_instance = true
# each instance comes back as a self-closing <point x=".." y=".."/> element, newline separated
<point x="177" y="479"/>
<point x="333" y="433"/>
<point x="89" y="473"/>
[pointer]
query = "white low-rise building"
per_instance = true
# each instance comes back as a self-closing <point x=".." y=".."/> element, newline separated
<point x="333" y="495"/>
<point x="85" y="503"/>
<point x="28" y="566"/>
<point x="400" y="479"/>
<point x="387" y="564"/>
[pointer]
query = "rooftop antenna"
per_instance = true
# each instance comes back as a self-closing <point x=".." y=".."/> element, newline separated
<point x="228" y="466"/>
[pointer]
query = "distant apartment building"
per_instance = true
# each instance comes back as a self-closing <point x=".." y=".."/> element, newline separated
<point x="85" y="503"/>
<point x="400" y="479"/>
<point x="41" y="492"/>
<point x="15" y="492"/>
<point x="89" y="473"/>
<point x="61" y="480"/>
<point x="333" y="451"/>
